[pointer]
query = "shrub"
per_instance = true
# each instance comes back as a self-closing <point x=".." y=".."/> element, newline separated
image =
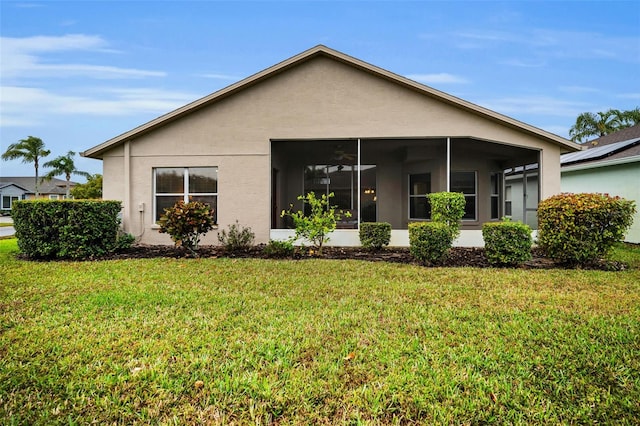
<point x="186" y="223"/>
<point x="447" y="208"/>
<point x="316" y="226"/>
<point x="581" y="228"/>
<point x="67" y="229"/>
<point x="277" y="248"/>
<point x="238" y="237"/>
<point x="375" y="235"/>
<point x="429" y="242"/>
<point x="507" y="243"/>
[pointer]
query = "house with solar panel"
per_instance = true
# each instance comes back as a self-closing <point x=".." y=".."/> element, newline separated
<point x="611" y="165"/>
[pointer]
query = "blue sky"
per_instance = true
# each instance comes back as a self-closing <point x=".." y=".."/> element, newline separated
<point x="76" y="74"/>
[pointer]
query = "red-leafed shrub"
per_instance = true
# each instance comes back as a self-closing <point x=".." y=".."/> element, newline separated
<point x="581" y="228"/>
<point x="187" y="222"/>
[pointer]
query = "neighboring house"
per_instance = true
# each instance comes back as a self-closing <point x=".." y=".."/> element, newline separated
<point x="23" y="188"/>
<point x="326" y="122"/>
<point x="10" y="193"/>
<point x="611" y="165"/>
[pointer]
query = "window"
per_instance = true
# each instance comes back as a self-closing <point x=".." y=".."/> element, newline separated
<point x="7" y="201"/>
<point x="507" y="201"/>
<point x="496" y="186"/>
<point x="172" y="184"/>
<point x="419" y="187"/>
<point x="465" y="182"/>
<point x="53" y="196"/>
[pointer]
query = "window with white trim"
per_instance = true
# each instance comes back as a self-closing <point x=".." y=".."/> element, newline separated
<point x="466" y="183"/>
<point x="7" y="201"/>
<point x="419" y="187"/>
<point x="496" y="189"/>
<point x="172" y="184"/>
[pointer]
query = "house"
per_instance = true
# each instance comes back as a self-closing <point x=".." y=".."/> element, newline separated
<point x="611" y="165"/>
<point x="323" y="121"/>
<point x="23" y="188"/>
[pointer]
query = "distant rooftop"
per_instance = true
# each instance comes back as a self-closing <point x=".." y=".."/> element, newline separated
<point x="53" y="186"/>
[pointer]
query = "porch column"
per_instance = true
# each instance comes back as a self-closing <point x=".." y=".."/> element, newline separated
<point x="359" y="183"/>
<point x="448" y="164"/>
<point x="126" y="214"/>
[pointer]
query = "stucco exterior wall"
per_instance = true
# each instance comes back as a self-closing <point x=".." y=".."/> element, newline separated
<point x="622" y="180"/>
<point x="318" y="99"/>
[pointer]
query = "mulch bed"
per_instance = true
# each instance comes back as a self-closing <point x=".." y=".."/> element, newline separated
<point x="457" y="257"/>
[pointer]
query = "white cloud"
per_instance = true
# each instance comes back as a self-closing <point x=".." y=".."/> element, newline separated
<point x="536" y="105"/>
<point x="545" y="43"/>
<point x="27" y="106"/>
<point x="438" y="78"/>
<point x="579" y="89"/>
<point x="630" y="96"/>
<point x="220" y="76"/>
<point x="24" y="58"/>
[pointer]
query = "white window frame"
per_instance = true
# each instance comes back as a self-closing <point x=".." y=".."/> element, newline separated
<point x="495" y="195"/>
<point x="185" y="190"/>
<point x="11" y="198"/>
<point x="53" y="196"/>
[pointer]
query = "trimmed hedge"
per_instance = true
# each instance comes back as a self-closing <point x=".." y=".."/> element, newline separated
<point x="448" y="208"/>
<point x="68" y="229"/>
<point x="507" y="243"/>
<point x="375" y="235"/>
<point x="581" y="228"/>
<point x="429" y="242"/>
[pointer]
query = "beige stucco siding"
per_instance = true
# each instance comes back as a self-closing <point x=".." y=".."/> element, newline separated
<point x="321" y="98"/>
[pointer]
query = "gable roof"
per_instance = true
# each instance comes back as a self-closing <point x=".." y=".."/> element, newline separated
<point x="8" y="184"/>
<point x="320" y="50"/>
<point x="53" y="186"/>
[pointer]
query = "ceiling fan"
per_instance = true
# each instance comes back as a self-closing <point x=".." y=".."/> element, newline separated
<point x="339" y="154"/>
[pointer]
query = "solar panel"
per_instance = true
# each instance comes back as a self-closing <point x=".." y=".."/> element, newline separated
<point x="597" y="152"/>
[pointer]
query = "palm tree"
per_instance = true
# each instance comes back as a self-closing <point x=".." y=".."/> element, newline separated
<point x="589" y="125"/>
<point x="630" y="118"/>
<point x="30" y="150"/>
<point x="64" y="165"/>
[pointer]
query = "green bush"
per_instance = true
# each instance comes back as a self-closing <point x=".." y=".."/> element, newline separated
<point x="507" y="243"/>
<point x="375" y="235"/>
<point x="581" y="228"/>
<point x="429" y="242"/>
<point x="186" y="223"/>
<point x="316" y="226"/>
<point x="277" y="248"/>
<point x="68" y="229"/>
<point x="447" y="208"/>
<point x="238" y="237"/>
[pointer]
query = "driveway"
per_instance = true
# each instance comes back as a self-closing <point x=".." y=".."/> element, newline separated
<point x="6" y="231"/>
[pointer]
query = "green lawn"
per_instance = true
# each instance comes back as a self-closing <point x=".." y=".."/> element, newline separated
<point x="219" y="341"/>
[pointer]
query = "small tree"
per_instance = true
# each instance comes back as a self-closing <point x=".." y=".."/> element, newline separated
<point x="64" y="165"/>
<point x="186" y="223"/>
<point x="92" y="189"/>
<point x="316" y="226"/>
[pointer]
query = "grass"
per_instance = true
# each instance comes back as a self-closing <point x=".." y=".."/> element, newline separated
<point x="224" y="341"/>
